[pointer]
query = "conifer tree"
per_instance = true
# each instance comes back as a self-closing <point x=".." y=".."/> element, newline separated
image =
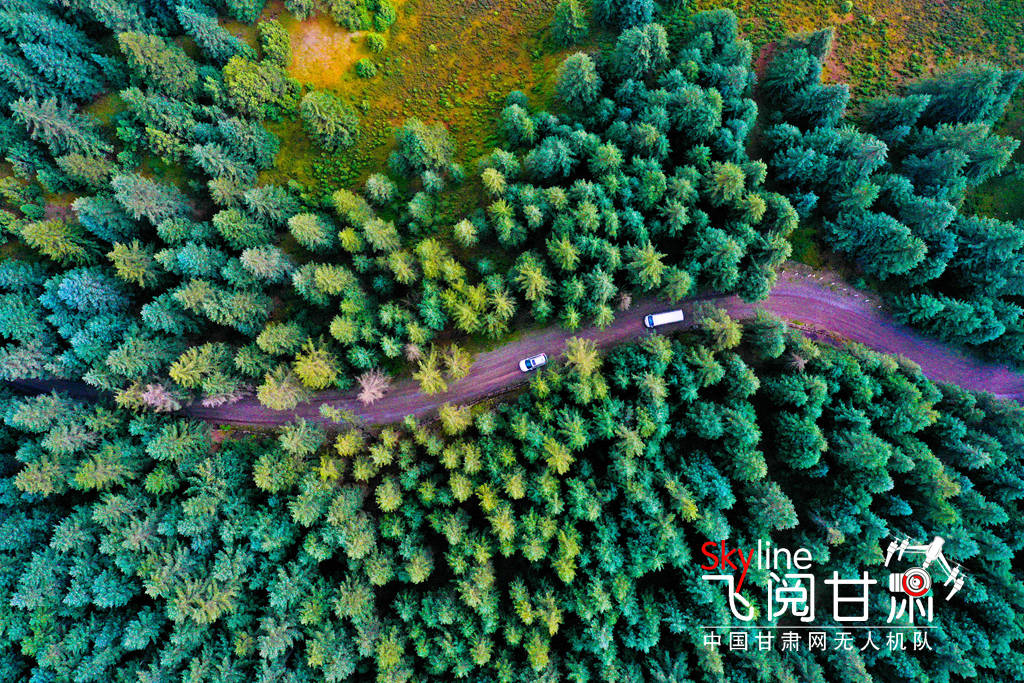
<point x="159" y="63"/>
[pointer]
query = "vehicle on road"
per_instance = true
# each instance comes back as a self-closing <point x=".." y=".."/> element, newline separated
<point x="664" y="318"/>
<point x="533" y="362"/>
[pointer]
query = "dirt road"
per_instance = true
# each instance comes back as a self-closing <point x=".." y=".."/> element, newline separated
<point x="815" y="304"/>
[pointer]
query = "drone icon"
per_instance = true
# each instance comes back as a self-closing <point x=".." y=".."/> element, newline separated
<point x="900" y="545"/>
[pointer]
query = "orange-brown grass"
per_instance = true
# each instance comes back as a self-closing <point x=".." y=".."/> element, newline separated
<point x="322" y="51"/>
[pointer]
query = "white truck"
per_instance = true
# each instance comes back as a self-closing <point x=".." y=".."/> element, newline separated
<point x="663" y="318"/>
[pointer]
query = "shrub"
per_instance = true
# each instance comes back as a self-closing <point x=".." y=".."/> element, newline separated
<point x="376" y="42"/>
<point x="352" y="14"/>
<point x="365" y="68"/>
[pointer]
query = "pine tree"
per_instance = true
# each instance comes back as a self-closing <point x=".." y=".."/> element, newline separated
<point x="160" y="63"/>
<point x="569" y="25"/>
<point x="134" y="263"/>
<point x="640" y="51"/>
<point x="578" y="85"/>
<point x="60" y="127"/>
<point x="421" y="147"/>
<point x="93" y="173"/>
<point x="373" y="385"/>
<point x="239" y="230"/>
<point x="142" y="197"/>
<point x="215" y="40"/>
<point x="67" y="71"/>
<point x="331" y="123"/>
<point x="970" y="93"/>
<point x="280" y="390"/>
<point x="624" y="13"/>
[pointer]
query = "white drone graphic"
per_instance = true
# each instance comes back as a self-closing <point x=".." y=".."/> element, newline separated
<point x="932" y="554"/>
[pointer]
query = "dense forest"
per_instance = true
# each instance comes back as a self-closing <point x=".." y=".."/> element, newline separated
<point x="154" y="247"/>
<point x="551" y="539"/>
<point x="887" y="182"/>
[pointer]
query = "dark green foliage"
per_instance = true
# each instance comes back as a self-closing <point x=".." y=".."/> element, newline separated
<point x="579" y="85"/>
<point x="62" y="129"/>
<point x="214" y="39"/>
<point x="625" y="13"/>
<point x="67" y="71"/>
<point x="970" y="93"/>
<point x="569" y="25"/>
<point x="612" y="204"/>
<point x="887" y="193"/>
<point x="640" y="52"/>
<point x="247" y="11"/>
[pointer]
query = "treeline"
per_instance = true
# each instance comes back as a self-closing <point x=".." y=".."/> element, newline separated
<point x="203" y="282"/>
<point x="887" y="183"/>
<point x="554" y="538"/>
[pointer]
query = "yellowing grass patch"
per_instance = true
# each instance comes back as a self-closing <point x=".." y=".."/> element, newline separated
<point x="322" y="51"/>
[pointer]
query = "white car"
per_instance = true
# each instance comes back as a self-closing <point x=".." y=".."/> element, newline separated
<point x="665" y="318"/>
<point x="533" y="362"/>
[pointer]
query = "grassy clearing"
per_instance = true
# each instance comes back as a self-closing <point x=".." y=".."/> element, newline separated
<point x="880" y="43"/>
<point x="322" y="51"/>
<point x="452" y="64"/>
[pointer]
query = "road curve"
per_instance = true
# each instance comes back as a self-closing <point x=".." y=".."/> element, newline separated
<point x="817" y="304"/>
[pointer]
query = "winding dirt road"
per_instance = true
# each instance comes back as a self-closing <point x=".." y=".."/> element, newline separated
<point x="816" y="304"/>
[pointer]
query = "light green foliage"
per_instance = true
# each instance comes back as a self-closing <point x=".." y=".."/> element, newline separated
<point x="257" y="90"/>
<point x="312" y="231"/>
<point x="331" y="123"/>
<point x="376" y="42"/>
<point x="275" y="43"/>
<point x="281" y="389"/>
<point x="315" y="366"/>
<point x="134" y="263"/>
<point x="422" y="147"/>
<point x="366" y="68"/>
